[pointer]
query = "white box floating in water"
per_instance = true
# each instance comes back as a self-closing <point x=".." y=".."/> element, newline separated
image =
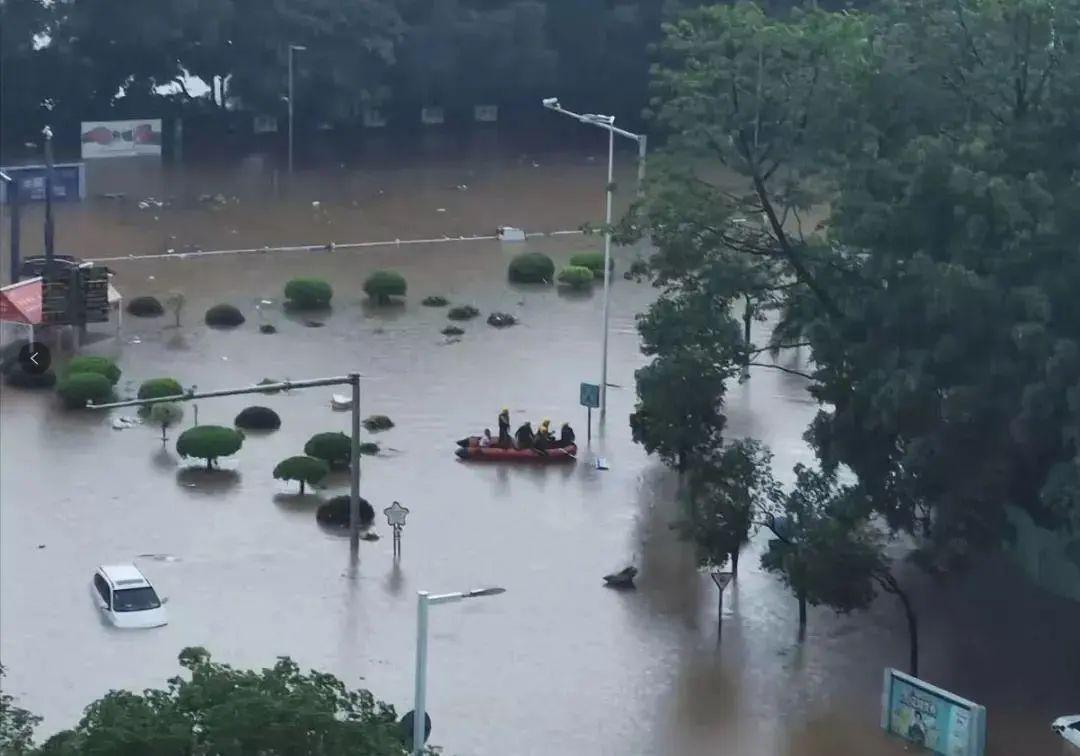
<point x="601" y="463"/>
<point x="509" y="233"/>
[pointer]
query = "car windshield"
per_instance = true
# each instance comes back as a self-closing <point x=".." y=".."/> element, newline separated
<point x="135" y="600"/>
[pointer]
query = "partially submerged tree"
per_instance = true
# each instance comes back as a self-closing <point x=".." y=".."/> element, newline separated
<point x="308" y="293"/>
<point x="165" y="415"/>
<point x="79" y="388"/>
<point x="158" y="388"/>
<point x="97" y="365"/>
<point x="209" y="442"/>
<point x="175" y="301"/>
<point x="729" y="490"/>
<point x="829" y="553"/>
<point x="383" y="285"/>
<point x="306" y="470"/>
<point x="333" y="448"/>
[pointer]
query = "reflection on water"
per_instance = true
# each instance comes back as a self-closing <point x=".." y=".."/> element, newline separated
<point x="557" y="664"/>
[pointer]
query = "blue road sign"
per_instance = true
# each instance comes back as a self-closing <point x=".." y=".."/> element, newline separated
<point x="590" y="395"/>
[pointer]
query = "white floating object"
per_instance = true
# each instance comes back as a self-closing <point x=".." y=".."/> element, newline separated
<point x="266" y="301"/>
<point x="511" y="234"/>
<point x="601" y="463"/>
<point x="149" y="278"/>
<point x="316" y="204"/>
<point x="340" y="402"/>
<point x="440" y="209"/>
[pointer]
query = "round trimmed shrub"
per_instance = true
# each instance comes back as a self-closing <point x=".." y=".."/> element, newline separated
<point x="376" y="423"/>
<point x="384" y="284"/>
<point x="78" y="388"/>
<point x="99" y="365"/>
<point x="308" y="293"/>
<point x="156" y="388"/>
<point x="462" y="312"/>
<point x="306" y="470"/>
<point x="209" y="442"/>
<point x="452" y="331"/>
<point x="267" y="328"/>
<point x="501" y="320"/>
<point x="224" y="316"/>
<point x="333" y="448"/>
<point x="145" y="307"/>
<point x="576" y="277"/>
<point x="532" y="267"/>
<point x="369" y="448"/>
<point x="435" y="301"/>
<point x="594" y="261"/>
<point x="22" y="379"/>
<point x="257" y="418"/>
<point x="336" y="512"/>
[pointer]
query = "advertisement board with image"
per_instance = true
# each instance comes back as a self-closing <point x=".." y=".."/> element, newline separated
<point x="932" y="718"/>
<point x="110" y="139"/>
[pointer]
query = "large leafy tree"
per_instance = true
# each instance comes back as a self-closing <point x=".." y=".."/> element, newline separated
<point x="899" y="185"/>
<point x="219" y="709"/>
<point x="16" y="725"/>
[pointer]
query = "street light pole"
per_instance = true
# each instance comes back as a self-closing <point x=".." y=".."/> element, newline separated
<point x="607" y="122"/>
<point x="607" y="267"/>
<point x="423" y="601"/>
<point x="354" y="468"/>
<point x="292" y="49"/>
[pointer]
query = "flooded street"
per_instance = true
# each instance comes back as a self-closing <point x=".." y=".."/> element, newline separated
<point x="557" y="664"/>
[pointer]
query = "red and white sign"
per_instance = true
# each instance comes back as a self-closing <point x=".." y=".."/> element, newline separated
<point x="107" y="139"/>
<point x="21" y="302"/>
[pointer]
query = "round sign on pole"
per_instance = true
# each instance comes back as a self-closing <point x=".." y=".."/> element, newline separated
<point x="406" y="727"/>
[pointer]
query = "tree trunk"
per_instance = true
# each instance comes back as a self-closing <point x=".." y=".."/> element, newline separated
<point x="301" y="487"/>
<point x="748" y="316"/>
<point x="890" y="585"/>
<point x="163" y="439"/>
<point x="209" y="464"/>
<point x="735" y="563"/>
<point x="802" y="615"/>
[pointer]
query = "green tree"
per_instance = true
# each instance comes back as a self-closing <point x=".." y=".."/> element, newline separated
<point x="829" y="553"/>
<point x="215" y="708"/>
<point x="16" y="726"/>
<point x="934" y="287"/>
<point x="99" y="365"/>
<point x="158" y="388"/>
<point x="79" y="388"/>
<point x="382" y="285"/>
<point x="333" y="448"/>
<point x="308" y="293"/>
<point x="576" y="277"/>
<point x="165" y="415"/>
<point x="209" y="442"/>
<point x="729" y="491"/>
<point x="309" y="470"/>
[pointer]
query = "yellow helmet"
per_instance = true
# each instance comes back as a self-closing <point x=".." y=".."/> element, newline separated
<point x="545" y="424"/>
<point x="504" y="411"/>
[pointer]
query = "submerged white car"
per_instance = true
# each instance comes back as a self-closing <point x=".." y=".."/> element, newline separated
<point x="126" y="597"/>
<point x="1068" y="728"/>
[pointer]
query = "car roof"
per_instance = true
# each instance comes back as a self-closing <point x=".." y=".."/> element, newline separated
<point x="1068" y="719"/>
<point x="123" y="575"/>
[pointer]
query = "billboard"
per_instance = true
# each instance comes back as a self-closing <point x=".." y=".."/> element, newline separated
<point x="107" y="139"/>
<point x="932" y="718"/>
<point x="69" y="182"/>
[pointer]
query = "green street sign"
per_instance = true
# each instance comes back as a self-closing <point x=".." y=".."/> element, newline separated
<point x="590" y="395"/>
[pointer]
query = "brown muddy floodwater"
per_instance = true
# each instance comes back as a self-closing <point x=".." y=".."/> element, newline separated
<point x="557" y="664"/>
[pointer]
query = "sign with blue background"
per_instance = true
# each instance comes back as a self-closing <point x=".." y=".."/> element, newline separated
<point x="590" y="395"/>
<point x="931" y="717"/>
<point x="69" y="182"/>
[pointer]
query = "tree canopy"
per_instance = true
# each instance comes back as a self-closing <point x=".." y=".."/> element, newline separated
<point x="215" y="708"/>
<point x="899" y="186"/>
